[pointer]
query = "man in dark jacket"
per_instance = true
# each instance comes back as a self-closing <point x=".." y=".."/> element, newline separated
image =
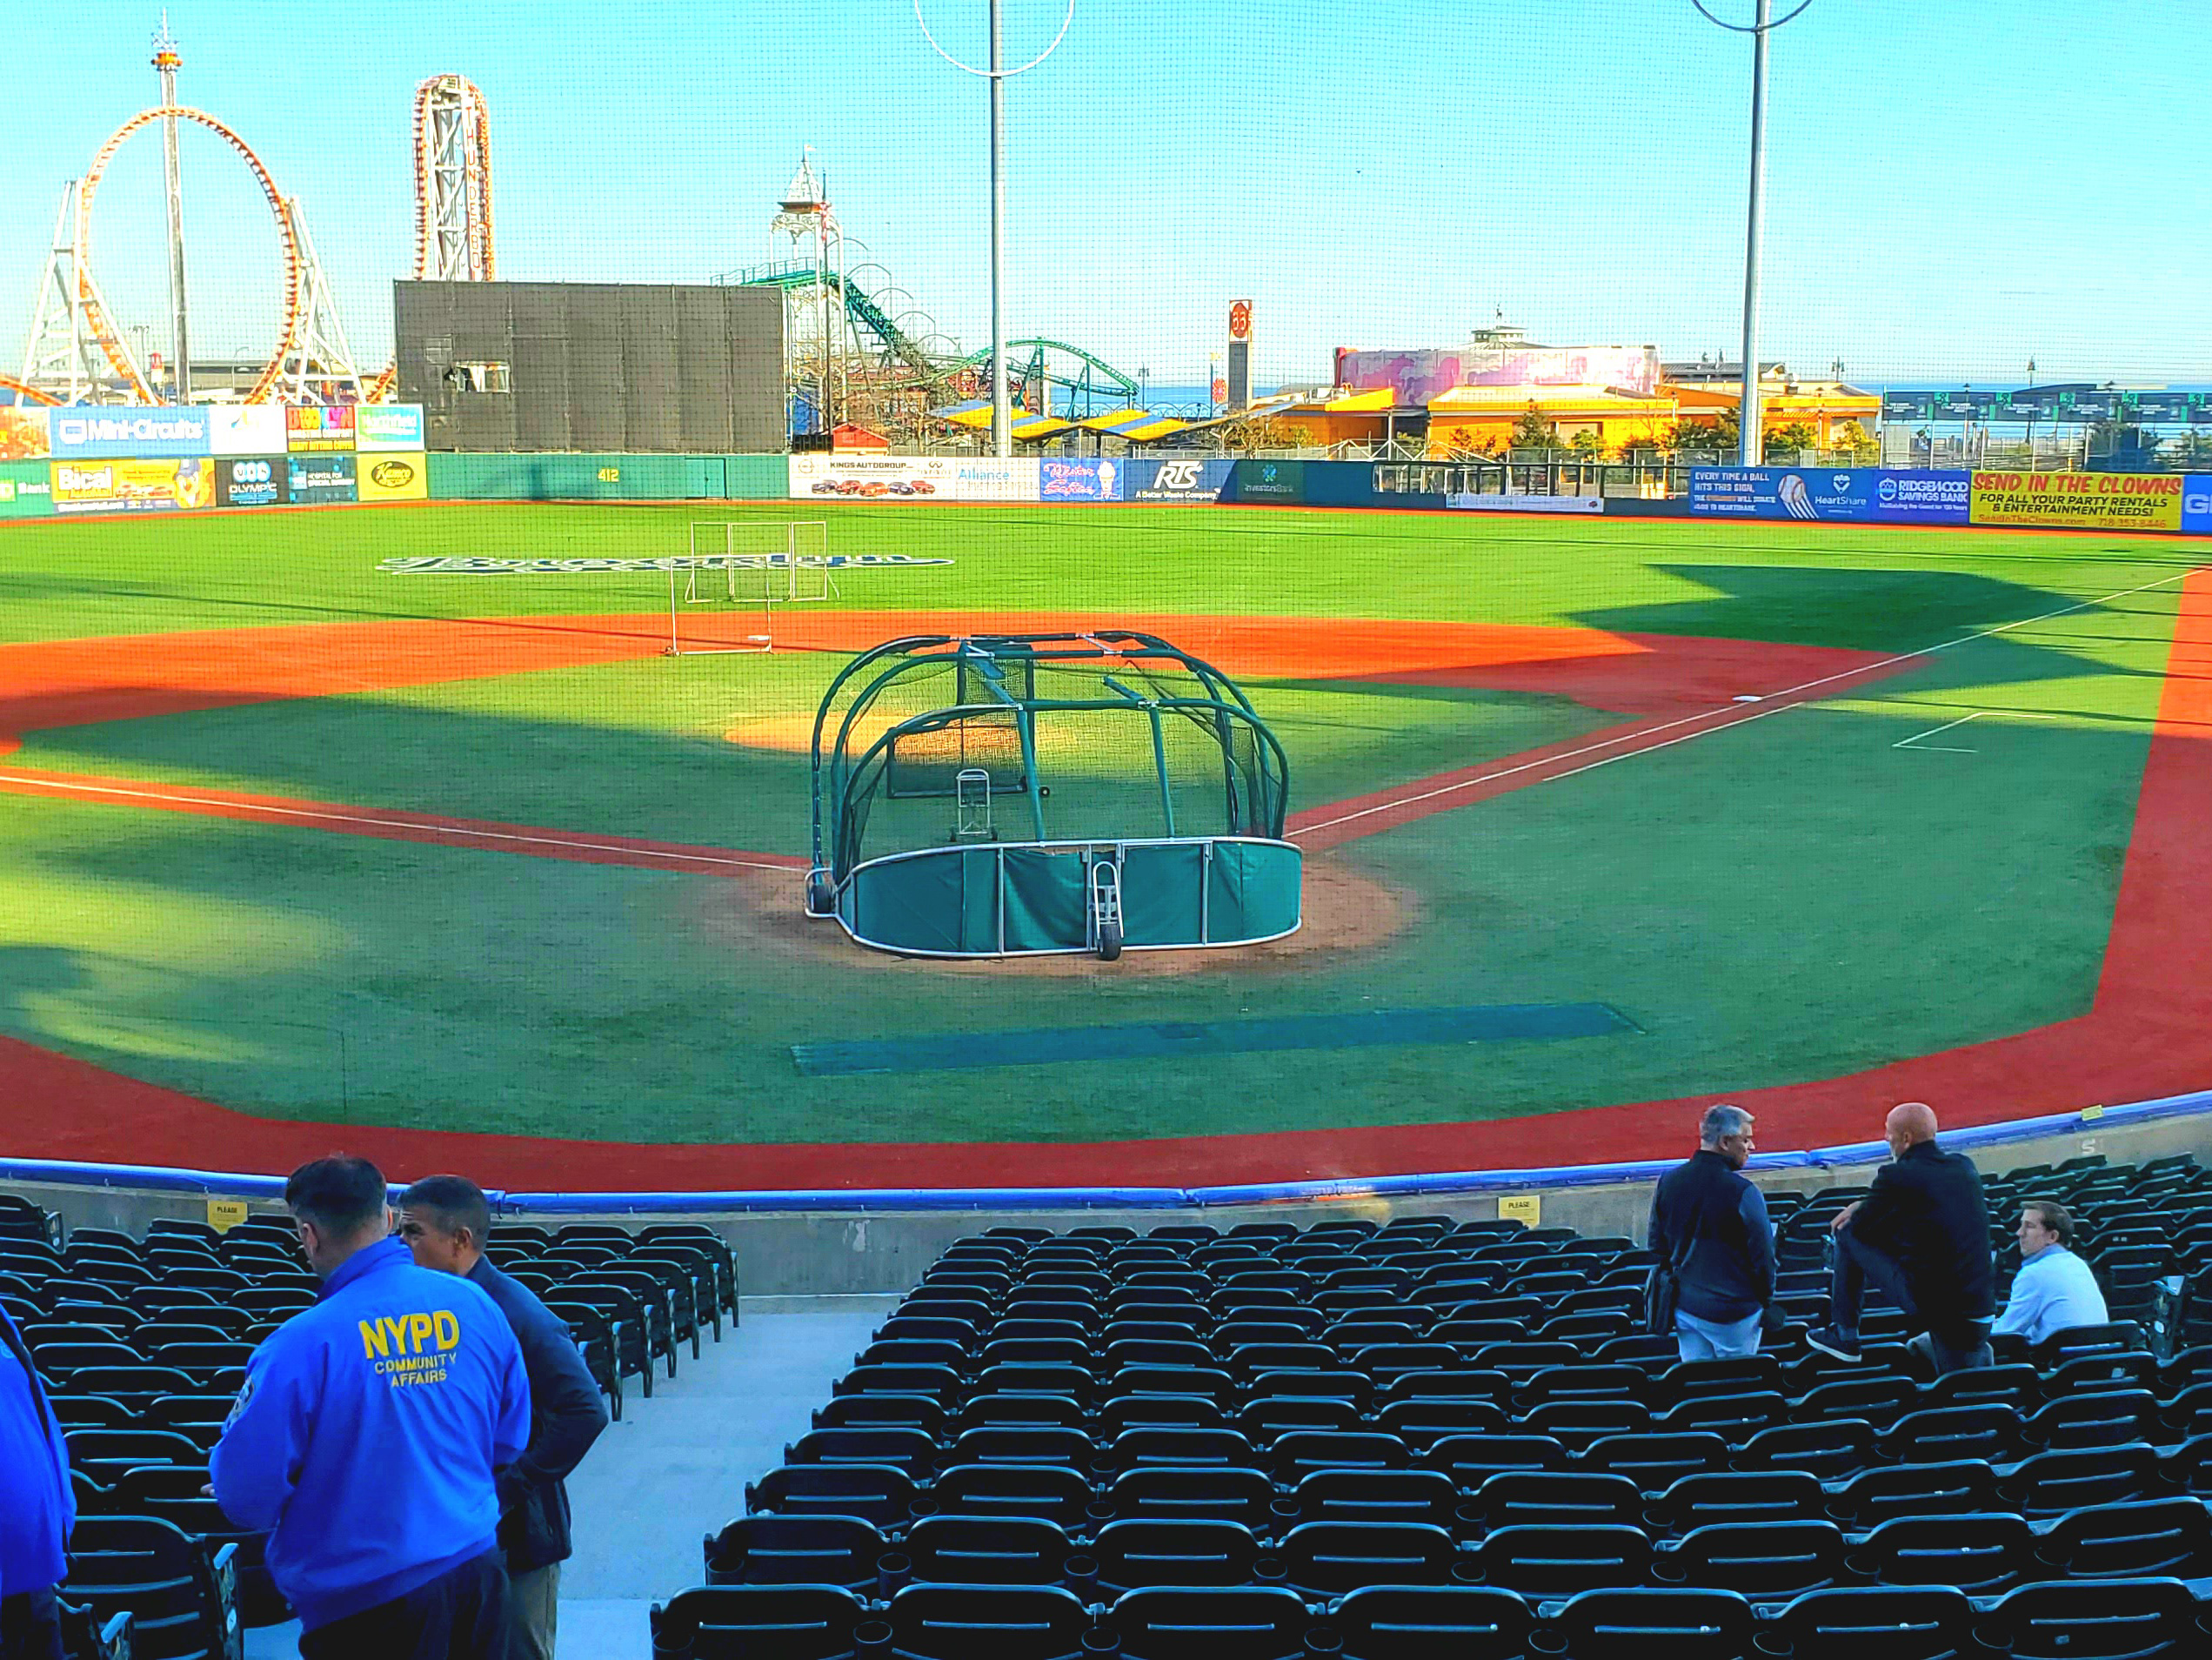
<point x="1922" y="1236"/>
<point x="1710" y="1225"/>
<point x="38" y="1507"/>
<point x="445" y="1221"/>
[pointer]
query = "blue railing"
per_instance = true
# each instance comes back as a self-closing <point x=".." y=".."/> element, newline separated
<point x="162" y="1179"/>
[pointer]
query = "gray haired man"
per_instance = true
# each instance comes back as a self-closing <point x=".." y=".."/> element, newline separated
<point x="1710" y="1225"/>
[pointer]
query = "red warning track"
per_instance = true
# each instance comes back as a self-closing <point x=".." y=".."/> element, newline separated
<point x="2148" y="1031"/>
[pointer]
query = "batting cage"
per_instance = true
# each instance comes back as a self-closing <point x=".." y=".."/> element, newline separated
<point x="1018" y="796"/>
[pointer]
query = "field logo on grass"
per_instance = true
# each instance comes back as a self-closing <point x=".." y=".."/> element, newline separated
<point x="470" y="565"/>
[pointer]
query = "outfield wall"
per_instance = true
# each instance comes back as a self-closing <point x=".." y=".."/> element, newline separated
<point x="101" y="459"/>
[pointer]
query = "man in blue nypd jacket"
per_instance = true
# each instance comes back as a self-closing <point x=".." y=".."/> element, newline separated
<point x="38" y="1507"/>
<point x="367" y="1436"/>
<point x="445" y="1221"/>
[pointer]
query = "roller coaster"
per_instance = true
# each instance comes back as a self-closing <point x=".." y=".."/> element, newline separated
<point x="889" y="365"/>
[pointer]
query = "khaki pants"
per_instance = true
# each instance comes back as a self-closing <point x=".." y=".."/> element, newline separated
<point x="533" y="1607"/>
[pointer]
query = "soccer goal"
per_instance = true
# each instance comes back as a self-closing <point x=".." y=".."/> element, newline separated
<point x="723" y="597"/>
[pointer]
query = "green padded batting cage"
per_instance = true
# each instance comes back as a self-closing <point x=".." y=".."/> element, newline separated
<point x="1035" y="794"/>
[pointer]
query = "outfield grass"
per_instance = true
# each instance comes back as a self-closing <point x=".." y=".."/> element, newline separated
<point x="1788" y="899"/>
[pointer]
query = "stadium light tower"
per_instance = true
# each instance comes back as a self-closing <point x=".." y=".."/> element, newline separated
<point x="1002" y="431"/>
<point x="168" y="59"/>
<point x="1753" y="447"/>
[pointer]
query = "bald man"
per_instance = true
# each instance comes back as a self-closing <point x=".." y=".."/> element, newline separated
<point x="1922" y="1236"/>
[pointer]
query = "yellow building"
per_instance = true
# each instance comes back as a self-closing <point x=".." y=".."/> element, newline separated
<point x="1482" y="418"/>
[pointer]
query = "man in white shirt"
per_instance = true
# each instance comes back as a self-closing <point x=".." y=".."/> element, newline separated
<point x="2054" y="1290"/>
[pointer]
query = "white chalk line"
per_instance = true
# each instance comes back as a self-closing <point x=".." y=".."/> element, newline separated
<point x="1733" y="715"/>
<point x="1914" y="742"/>
<point x="326" y="815"/>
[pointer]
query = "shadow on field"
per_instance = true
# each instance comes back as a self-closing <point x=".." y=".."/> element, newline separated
<point x="1880" y="610"/>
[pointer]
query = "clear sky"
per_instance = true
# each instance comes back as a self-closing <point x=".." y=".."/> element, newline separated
<point x="1954" y="189"/>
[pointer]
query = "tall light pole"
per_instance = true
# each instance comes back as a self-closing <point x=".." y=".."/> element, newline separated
<point x="1002" y="431"/>
<point x="1764" y="23"/>
<point x="168" y="59"/>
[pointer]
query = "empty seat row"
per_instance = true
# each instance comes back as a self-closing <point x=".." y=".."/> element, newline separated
<point x="2138" y="1618"/>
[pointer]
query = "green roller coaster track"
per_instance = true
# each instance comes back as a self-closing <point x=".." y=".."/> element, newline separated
<point x="1092" y="382"/>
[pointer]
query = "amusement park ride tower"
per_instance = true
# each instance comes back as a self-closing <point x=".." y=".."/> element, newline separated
<point x="168" y="59"/>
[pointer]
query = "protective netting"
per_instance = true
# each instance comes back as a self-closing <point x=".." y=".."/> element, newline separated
<point x="1073" y="738"/>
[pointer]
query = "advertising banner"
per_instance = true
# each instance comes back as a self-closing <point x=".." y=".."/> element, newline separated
<point x="1526" y="504"/>
<point x="984" y="478"/>
<point x="26" y="490"/>
<point x="2196" y="504"/>
<point x="394" y="477"/>
<point x="92" y="433"/>
<point x="251" y="481"/>
<point x="245" y="428"/>
<point x="1851" y="495"/>
<point x="873" y="477"/>
<point x="125" y="485"/>
<point x="311" y="428"/>
<point x="1193" y="480"/>
<point x="1266" y="481"/>
<point x="22" y="434"/>
<point x="319" y="478"/>
<point x="1080" y="479"/>
<point x="394" y="428"/>
<point x="2138" y="501"/>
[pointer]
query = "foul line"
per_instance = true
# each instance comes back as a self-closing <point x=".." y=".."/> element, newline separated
<point x="1737" y="715"/>
<point x="228" y="806"/>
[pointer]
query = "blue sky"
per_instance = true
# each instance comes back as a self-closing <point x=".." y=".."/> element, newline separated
<point x="1953" y="189"/>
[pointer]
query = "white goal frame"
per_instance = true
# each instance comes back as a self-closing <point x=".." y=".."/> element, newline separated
<point x="741" y="562"/>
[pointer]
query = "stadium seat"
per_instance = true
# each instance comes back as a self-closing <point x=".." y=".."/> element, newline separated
<point x="181" y="1595"/>
<point x="912" y="1450"/>
<point x="1325" y="1559"/>
<point x="1250" y="1623"/>
<point x="1052" y="1493"/>
<point x="1561" y="1561"/>
<point x="2114" y="1619"/>
<point x="986" y="1550"/>
<point x="1552" y="1498"/>
<point x="1656" y="1462"/>
<point x="1135" y="1553"/>
<point x="880" y="1494"/>
<point x="1639" y="1624"/>
<point x="773" y="1549"/>
<point x="2051" y="1482"/>
<point x="1956" y="1487"/>
<point x="1830" y="1450"/>
<point x="1983" y="1555"/>
<point x="1006" y="1622"/>
<point x="1431" y="1622"/>
<point x="1214" y="1494"/>
<point x="1761" y="1559"/>
<point x="2135" y="1539"/>
<point x="1421" y="1495"/>
<point x="1851" y="1622"/>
